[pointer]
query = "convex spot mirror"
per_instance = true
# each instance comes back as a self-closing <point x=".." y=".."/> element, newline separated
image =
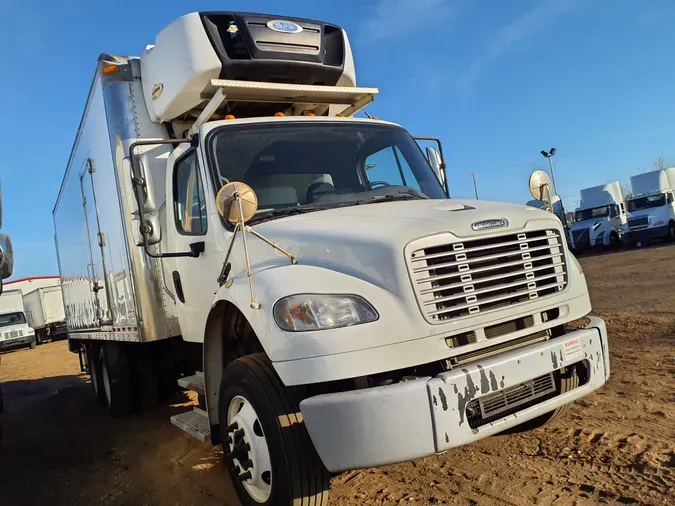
<point x="236" y="202"/>
<point x="436" y="164"/>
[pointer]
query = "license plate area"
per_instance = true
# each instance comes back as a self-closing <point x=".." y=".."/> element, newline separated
<point x="512" y="397"/>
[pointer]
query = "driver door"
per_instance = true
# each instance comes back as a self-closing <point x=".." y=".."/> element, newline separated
<point x="189" y="221"/>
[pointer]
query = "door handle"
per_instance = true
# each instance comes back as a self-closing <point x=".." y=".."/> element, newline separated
<point x="178" y="286"/>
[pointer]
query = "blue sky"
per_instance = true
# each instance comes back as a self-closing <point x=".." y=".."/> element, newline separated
<point x="497" y="80"/>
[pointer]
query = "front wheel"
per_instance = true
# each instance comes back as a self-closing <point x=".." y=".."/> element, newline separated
<point x="671" y="231"/>
<point x="267" y="449"/>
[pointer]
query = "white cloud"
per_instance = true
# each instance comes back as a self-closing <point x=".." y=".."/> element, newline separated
<point x="527" y="25"/>
<point x="399" y="17"/>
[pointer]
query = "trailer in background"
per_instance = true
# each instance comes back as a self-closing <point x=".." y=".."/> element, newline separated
<point x="45" y="313"/>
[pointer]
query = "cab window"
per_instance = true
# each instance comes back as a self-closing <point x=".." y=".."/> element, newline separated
<point x="188" y="194"/>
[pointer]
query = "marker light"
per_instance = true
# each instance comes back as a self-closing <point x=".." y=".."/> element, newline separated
<point x="229" y="116"/>
<point x="110" y="69"/>
<point x="279" y="114"/>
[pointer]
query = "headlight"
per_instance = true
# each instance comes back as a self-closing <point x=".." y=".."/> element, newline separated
<point x="657" y="223"/>
<point x="298" y="313"/>
<point x="31" y="331"/>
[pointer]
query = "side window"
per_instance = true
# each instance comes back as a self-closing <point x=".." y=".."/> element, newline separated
<point x="670" y="198"/>
<point x="614" y="211"/>
<point x="389" y="166"/>
<point x="188" y="195"/>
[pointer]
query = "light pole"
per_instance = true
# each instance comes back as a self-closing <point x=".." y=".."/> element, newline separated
<point x="475" y="187"/>
<point x="548" y="155"/>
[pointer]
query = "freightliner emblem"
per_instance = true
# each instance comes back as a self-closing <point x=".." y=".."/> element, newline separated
<point x="485" y="224"/>
<point x="280" y="25"/>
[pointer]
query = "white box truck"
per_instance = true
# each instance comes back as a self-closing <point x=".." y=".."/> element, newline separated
<point x="14" y="329"/>
<point x="225" y="214"/>
<point x="45" y="313"/>
<point x="599" y="219"/>
<point x="651" y="209"/>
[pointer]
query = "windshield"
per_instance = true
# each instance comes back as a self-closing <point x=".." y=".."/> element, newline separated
<point x="12" y="319"/>
<point x="300" y="167"/>
<point x="647" y="202"/>
<point x="589" y="214"/>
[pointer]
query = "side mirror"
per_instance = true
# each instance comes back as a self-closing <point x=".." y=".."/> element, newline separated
<point x="142" y="178"/>
<point x="6" y="257"/>
<point x="436" y="164"/>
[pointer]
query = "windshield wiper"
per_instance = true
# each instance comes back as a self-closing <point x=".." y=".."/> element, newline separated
<point x="393" y="197"/>
<point x="289" y="211"/>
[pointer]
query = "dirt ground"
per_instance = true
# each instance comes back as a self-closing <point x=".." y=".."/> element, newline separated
<point x="616" y="446"/>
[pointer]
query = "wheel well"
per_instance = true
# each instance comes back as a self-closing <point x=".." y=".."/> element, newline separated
<point x="228" y="336"/>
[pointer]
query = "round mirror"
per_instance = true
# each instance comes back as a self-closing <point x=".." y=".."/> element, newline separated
<point x="236" y="196"/>
<point x="540" y="185"/>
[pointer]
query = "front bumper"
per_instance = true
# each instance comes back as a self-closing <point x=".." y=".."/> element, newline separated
<point x="414" y="419"/>
<point x="646" y="234"/>
<point x="17" y="342"/>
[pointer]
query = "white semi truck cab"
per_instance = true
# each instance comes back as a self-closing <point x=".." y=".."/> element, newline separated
<point x="226" y="217"/>
<point x="651" y="209"/>
<point x="600" y="218"/>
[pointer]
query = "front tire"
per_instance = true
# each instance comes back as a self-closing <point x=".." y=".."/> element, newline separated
<point x="671" y="231"/>
<point x="267" y="449"/>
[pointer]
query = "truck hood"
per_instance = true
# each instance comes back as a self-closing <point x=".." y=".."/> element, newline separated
<point x="7" y="329"/>
<point x="367" y="241"/>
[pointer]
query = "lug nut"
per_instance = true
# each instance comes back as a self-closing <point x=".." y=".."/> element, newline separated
<point x="248" y="464"/>
<point x="243" y="446"/>
<point x="239" y="434"/>
<point x="228" y="440"/>
<point x="245" y="476"/>
<point x="234" y="426"/>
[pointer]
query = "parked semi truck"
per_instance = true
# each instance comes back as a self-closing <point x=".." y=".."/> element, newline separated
<point x="651" y="210"/>
<point x="225" y="216"/>
<point x="45" y="314"/>
<point x="600" y="218"/>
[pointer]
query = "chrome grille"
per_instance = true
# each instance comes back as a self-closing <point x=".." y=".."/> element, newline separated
<point x="12" y="334"/>
<point x="454" y="280"/>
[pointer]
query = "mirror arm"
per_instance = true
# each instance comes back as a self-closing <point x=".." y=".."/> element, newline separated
<point x="442" y="166"/>
<point x="137" y="182"/>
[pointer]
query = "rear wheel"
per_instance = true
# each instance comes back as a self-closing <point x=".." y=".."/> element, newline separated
<point x="116" y="378"/>
<point x="569" y="380"/>
<point x="267" y="449"/>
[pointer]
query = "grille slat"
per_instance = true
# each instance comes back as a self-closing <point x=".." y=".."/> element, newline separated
<point x="492" y="268"/>
<point x="483" y="259"/>
<point x="490" y="289"/>
<point x="463" y="278"/>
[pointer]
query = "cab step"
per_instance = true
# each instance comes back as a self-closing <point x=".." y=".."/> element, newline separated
<point x="195" y="423"/>
<point x="194" y="382"/>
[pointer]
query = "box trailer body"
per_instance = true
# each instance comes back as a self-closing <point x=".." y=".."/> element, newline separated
<point x="600" y="217"/>
<point x="14" y="329"/>
<point x="355" y="293"/>
<point x="651" y="209"/>
<point x="45" y="312"/>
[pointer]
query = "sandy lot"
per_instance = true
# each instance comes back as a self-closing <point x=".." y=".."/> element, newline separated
<point x="616" y="446"/>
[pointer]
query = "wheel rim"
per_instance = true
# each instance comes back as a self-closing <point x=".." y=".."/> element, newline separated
<point x="106" y="381"/>
<point x="248" y="449"/>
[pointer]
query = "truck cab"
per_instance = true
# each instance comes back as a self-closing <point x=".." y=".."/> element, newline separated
<point x="651" y="209"/>
<point x="14" y="329"/>
<point x="599" y="219"/>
